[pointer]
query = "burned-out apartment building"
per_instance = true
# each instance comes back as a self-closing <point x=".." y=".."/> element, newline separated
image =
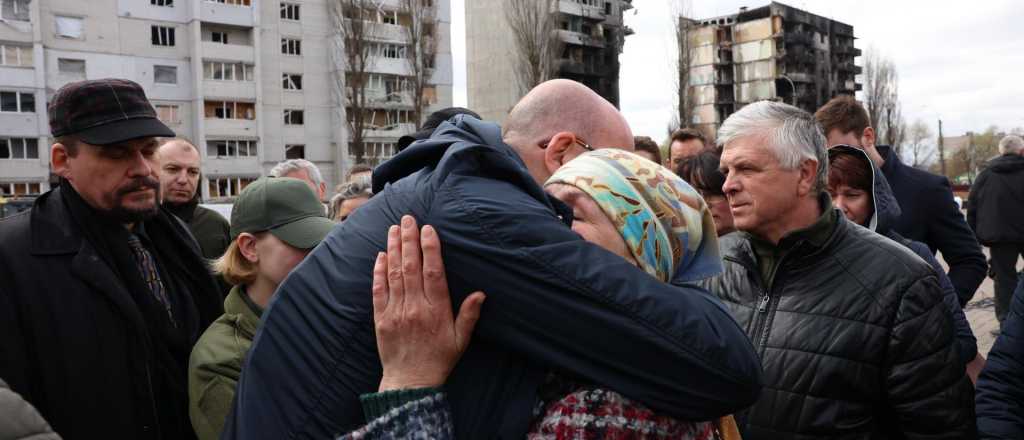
<point x="772" y="52"/>
<point x="590" y="35"/>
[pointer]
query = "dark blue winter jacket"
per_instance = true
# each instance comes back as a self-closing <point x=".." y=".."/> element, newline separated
<point x="931" y="216"/>
<point x="554" y="302"/>
<point x="1000" y="397"/>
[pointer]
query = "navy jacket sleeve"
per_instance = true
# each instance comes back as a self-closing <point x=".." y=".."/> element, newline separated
<point x="950" y="234"/>
<point x="568" y="303"/>
<point x="1000" y="396"/>
<point x="967" y="344"/>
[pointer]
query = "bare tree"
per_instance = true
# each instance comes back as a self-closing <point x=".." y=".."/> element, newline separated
<point x="533" y="24"/>
<point x="682" y="11"/>
<point x="422" y="38"/>
<point x="881" y="98"/>
<point x="352" y="50"/>
<point x="919" y="148"/>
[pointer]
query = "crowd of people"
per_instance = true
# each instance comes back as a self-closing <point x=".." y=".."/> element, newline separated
<point x="552" y="277"/>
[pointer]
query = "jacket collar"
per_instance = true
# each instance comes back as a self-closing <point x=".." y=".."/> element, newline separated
<point x="806" y="242"/>
<point x="53" y="232"/>
<point x="240" y="309"/>
<point x="185" y="211"/>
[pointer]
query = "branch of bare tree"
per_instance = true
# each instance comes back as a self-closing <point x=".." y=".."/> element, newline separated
<point x="534" y="25"/>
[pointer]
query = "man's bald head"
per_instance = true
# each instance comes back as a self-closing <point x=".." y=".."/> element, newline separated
<point x="560" y="112"/>
<point x="179" y="170"/>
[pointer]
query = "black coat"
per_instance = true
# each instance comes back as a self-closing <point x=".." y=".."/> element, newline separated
<point x="931" y="216"/>
<point x="1001" y="384"/>
<point x="995" y="208"/>
<point x="73" y="340"/>
<point x="211" y="230"/>
<point x="854" y="339"/>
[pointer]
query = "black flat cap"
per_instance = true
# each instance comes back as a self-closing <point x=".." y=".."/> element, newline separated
<point x="104" y="112"/>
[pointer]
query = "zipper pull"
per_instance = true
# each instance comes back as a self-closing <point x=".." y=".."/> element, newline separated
<point x="764" y="303"/>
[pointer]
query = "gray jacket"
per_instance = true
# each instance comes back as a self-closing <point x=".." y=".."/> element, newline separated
<point x="20" y="419"/>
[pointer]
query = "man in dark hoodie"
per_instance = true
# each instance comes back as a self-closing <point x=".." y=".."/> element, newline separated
<point x="995" y="211"/>
<point x="179" y="182"/>
<point x="554" y="301"/>
<point x="930" y="215"/>
<point x="861" y="192"/>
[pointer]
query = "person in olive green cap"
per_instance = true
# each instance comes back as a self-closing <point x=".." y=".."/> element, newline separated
<point x="275" y="222"/>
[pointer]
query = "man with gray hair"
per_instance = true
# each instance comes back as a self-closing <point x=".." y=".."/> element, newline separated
<point x="995" y="212"/>
<point x="305" y="170"/>
<point x="852" y="333"/>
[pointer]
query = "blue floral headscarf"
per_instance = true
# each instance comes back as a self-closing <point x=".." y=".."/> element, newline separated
<point x="665" y="223"/>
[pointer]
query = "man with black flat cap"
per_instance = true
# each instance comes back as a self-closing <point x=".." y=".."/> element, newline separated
<point x="103" y="292"/>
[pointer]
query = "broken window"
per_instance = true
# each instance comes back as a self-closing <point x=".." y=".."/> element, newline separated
<point x="291" y="46"/>
<point x="17" y="189"/>
<point x="68" y="27"/>
<point x="15" y="10"/>
<point x="230" y="110"/>
<point x="289" y="11"/>
<point x="291" y="81"/>
<point x="19" y="148"/>
<point x="230" y="148"/>
<point x="293" y="117"/>
<point x="165" y="74"/>
<point x="294" y="151"/>
<point x="161" y="2"/>
<point x="219" y="37"/>
<point x="162" y="36"/>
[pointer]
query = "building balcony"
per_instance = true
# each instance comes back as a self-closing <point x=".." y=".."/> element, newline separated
<point x="382" y="32"/>
<point x="847" y="50"/>
<point x="390" y="131"/>
<point x="19" y="124"/>
<point x="581" y="10"/>
<point x="573" y="67"/>
<point x="237" y="15"/>
<point x="18" y="76"/>
<point x="228" y="52"/>
<point x="390" y="66"/>
<point x="379" y="98"/>
<point x="579" y="38"/>
<point x="243" y="128"/>
<point x="233" y="166"/>
<point x="229" y="90"/>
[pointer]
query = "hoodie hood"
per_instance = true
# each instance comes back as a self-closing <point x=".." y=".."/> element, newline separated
<point x="459" y="129"/>
<point x="886" y="209"/>
<point x="1007" y="163"/>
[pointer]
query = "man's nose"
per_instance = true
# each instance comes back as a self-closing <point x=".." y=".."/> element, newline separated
<point x="141" y="165"/>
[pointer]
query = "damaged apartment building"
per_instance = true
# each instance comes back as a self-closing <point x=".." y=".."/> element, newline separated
<point x="774" y="52"/>
<point x="250" y="82"/>
<point x="590" y="34"/>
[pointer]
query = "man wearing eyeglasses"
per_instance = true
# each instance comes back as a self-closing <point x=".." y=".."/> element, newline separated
<point x="554" y="302"/>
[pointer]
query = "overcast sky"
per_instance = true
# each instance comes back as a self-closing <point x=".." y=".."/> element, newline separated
<point x="961" y="61"/>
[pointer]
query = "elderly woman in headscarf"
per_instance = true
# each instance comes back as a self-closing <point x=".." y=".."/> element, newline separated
<point x="622" y="202"/>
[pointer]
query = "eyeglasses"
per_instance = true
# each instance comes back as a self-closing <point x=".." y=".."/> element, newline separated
<point x="576" y="139"/>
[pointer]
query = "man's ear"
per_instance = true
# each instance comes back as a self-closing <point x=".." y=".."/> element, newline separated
<point x="59" y="160"/>
<point x="554" y="154"/>
<point x="868" y="138"/>
<point x="808" y="177"/>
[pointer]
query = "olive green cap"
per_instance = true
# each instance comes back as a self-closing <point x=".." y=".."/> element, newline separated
<point x="286" y="207"/>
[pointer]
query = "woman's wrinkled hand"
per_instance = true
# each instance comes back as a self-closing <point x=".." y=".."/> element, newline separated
<point x="418" y="338"/>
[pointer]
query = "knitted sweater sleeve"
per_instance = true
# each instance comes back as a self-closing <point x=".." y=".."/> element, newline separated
<point x="426" y="417"/>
